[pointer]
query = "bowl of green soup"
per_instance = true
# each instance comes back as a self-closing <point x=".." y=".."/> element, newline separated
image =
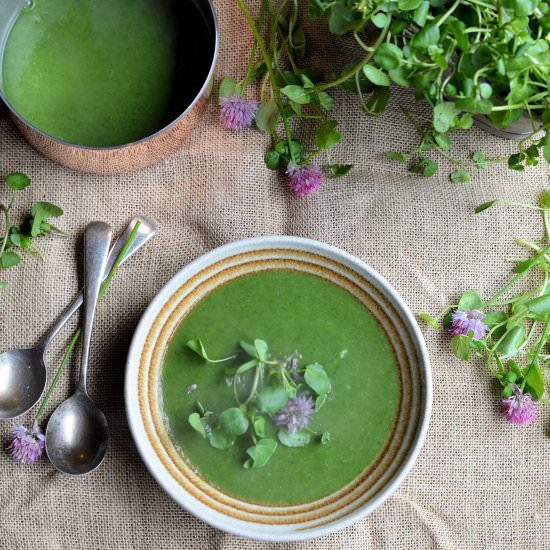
<point x="278" y="388"/>
<point x="106" y="86"/>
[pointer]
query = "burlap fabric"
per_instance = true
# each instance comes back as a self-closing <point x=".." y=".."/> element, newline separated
<point x="478" y="483"/>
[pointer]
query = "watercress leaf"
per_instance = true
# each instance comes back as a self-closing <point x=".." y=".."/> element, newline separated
<point x="539" y="306"/>
<point x="527" y="264"/>
<point x="460" y="176"/>
<point x="195" y="422"/>
<point x="327" y="136"/>
<point x="486" y="205"/>
<point x="3" y="285"/>
<point x="388" y="56"/>
<point x="259" y="426"/>
<point x="469" y="300"/>
<point x="317" y="379"/>
<point x="480" y="160"/>
<point x="228" y="87"/>
<point x="342" y="18"/>
<point x="546" y="147"/>
<point x="429" y="169"/>
<point x="17" y="181"/>
<point x="41" y="211"/>
<point x="247" y="366"/>
<point x="221" y="440"/>
<point x="420" y="15"/>
<point x="197" y="346"/>
<point x="325" y="438"/>
<point x="250" y="349"/>
<point x="267" y="116"/>
<point x="261" y="452"/>
<point x="298" y="439"/>
<point x="377" y="101"/>
<point x="297" y="94"/>
<point x="426" y="37"/>
<point x="380" y="20"/>
<point x="316" y="8"/>
<point x="376" y="76"/>
<point x="507" y="391"/>
<point x="320" y="401"/>
<point x="444" y="116"/>
<point x="514" y="367"/>
<point x="494" y="318"/>
<point x="261" y="349"/>
<point x="271" y="399"/>
<point x="460" y="347"/>
<point x="408" y="5"/>
<point x="394" y="155"/>
<point x="485" y="90"/>
<point x="20" y="240"/>
<point x="471" y="105"/>
<point x="233" y="421"/>
<point x="272" y="159"/>
<point x="9" y="259"/>
<point x="325" y="100"/>
<point x="442" y="141"/>
<point x="299" y="42"/>
<point x="429" y="319"/>
<point x="545" y="199"/>
<point x="339" y="170"/>
<point x="514" y="337"/>
<point x="535" y="382"/>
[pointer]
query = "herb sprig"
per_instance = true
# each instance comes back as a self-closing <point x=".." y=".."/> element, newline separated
<point x="275" y="399"/>
<point x="465" y="58"/>
<point x="509" y="332"/>
<point x="23" y="237"/>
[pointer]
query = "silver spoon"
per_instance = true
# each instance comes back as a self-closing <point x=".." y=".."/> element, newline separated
<point x="23" y="371"/>
<point x="77" y="434"/>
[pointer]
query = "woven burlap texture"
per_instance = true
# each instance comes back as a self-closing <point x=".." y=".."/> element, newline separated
<point x="478" y="482"/>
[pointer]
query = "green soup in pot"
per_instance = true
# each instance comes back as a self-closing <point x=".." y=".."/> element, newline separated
<point x="291" y="311"/>
<point x="104" y="73"/>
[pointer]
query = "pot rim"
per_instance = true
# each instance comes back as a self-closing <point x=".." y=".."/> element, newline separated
<point x="200" y="93"/>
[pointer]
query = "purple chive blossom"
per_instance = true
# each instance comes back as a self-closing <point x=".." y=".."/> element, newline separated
<point x="304" y="179"/>
<point x="469" y="320"/>
<point x="237" y="112"/>
<point x="26" y="445"/>
<point x="295" y="414"/>
<point x="519" y="408"/>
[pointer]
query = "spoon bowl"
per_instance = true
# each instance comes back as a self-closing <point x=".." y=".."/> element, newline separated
<point x="77" y="436"/>
<point x="22" y="380"/>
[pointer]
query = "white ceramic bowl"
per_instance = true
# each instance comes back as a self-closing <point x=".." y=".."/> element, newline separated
<point x="183" y="483"/>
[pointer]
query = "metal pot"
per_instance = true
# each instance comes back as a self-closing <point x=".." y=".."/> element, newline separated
<point x="123" y="158"/>
<point x="517" y="130"/>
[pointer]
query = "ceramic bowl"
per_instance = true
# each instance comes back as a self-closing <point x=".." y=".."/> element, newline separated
<point x="170" y="468"/>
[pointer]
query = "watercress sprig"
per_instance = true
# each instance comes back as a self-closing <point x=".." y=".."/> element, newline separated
<point x="509" y="332"/>
<point x="23" y="237"/>
<point x="275" y="400"/>
<point x="467" y="59"/>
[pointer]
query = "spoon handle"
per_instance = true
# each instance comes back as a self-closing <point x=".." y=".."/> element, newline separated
<point x="147" y="229"/>
<point x="97" y="239"/>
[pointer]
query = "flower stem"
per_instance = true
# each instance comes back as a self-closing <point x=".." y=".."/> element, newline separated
<point x="540" y="343"/>
<point x="269" y="67"/>
<point x="76" y="335"/>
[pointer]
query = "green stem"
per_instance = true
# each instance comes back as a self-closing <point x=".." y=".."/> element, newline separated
<point x="351" y="73"/>
<point x="533" y="362"/>
<point x="449" y="12"/>
<point x="268" y="63"/>
<point x="76" y="335"/>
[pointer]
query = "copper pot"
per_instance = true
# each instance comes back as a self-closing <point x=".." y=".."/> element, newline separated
<point x="123" y="158"/>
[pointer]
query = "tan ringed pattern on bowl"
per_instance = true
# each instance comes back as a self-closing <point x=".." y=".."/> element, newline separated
<point x="310" y="515"/>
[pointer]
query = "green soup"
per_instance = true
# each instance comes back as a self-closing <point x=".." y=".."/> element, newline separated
<point x="291" y="311"/>
<point x="103" y="73"/>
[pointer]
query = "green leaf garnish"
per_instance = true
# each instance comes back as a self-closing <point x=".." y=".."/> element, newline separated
<point x="17" y="181"/>
<point x="298" y="439"/>
<point x="317" y="379"/>
<point x="195" y="422"/>
<point x="41" y="212"/>
<point x="271" y="399"/>
<point x="233" y="421"/>
<point x="260" y="453"/>
<point x="197" y="346"/>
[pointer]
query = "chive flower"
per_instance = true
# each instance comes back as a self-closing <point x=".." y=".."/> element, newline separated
<point x="295" y="415"/>
<point x="26" y="445"/>
<point x="236" y="112"/>
<point x="469" y="320"/>
<point x="519" y="408"/>
<point x="304" y="179"/>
